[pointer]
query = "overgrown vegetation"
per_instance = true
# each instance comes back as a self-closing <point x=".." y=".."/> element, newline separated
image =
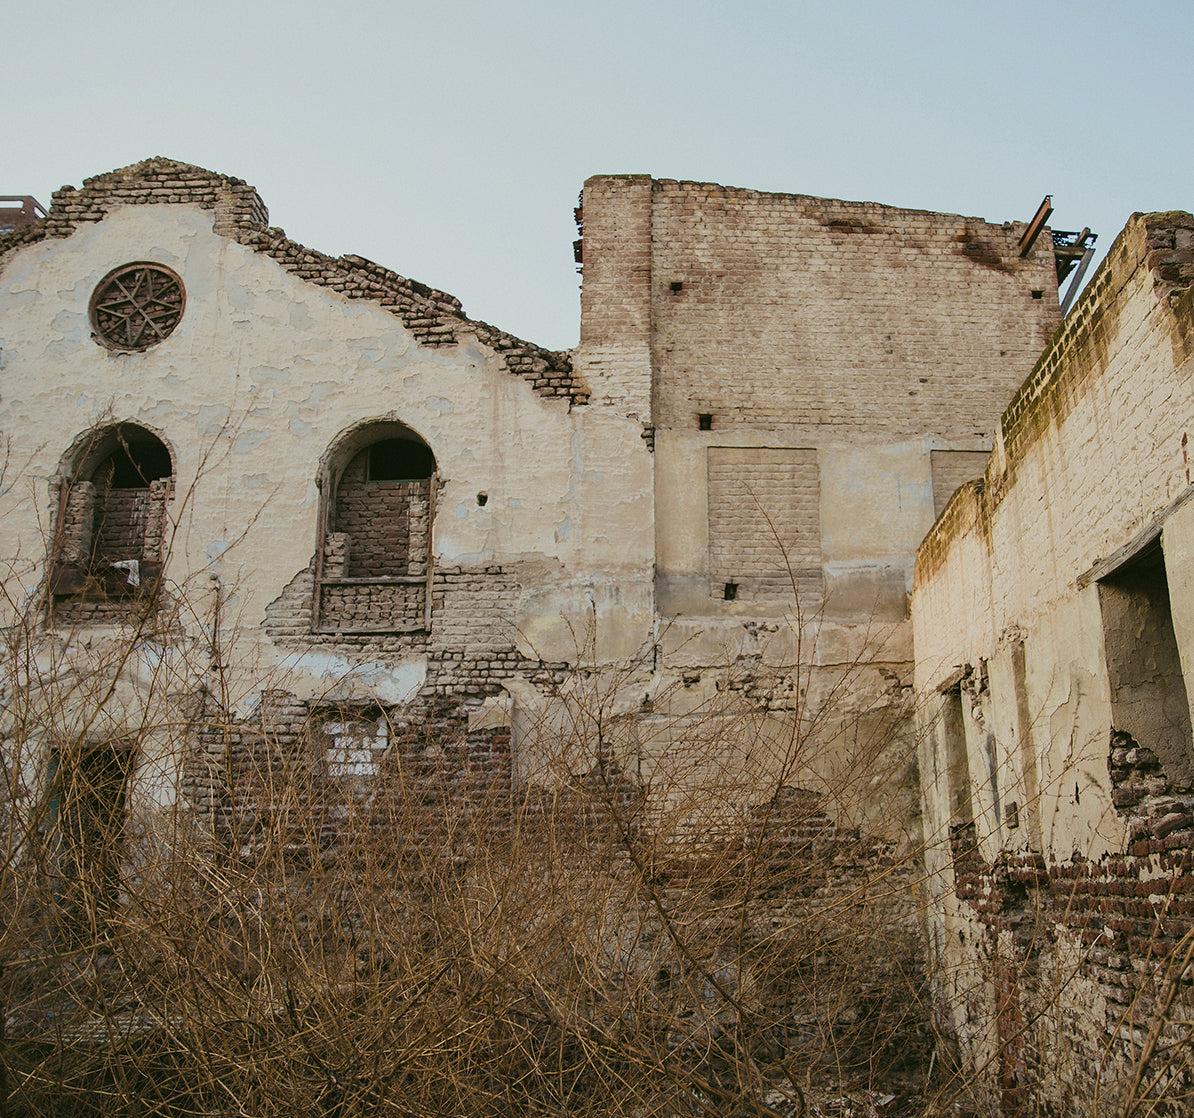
<point x="685" y="904"/>
<point x="611" y="937"/>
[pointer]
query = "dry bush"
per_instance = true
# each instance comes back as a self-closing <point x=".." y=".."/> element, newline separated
<point x="661" y="919"/>
<point x="595" y="942"/>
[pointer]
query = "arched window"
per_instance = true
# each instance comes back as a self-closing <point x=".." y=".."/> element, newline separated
<point x="373" y="564"/>
<point x="114" y="490"/>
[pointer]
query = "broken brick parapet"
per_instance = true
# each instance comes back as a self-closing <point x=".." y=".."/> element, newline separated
<point x="156" y="180"/>
<point x="435" y="318"/>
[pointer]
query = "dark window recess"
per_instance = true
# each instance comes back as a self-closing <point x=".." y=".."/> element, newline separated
<point x="400" y="460"/>
<point x="1148" y="690"/>
<point x="677" y="285"/>
<point x="86" y="816"/>
<point x="135" y="464"/>
<point x="705" y="421"/>
<point x="1038" y="293"/>
<point x="731" y="591"/>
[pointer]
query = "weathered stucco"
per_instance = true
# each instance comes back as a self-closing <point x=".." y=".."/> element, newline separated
<point x="263" y="374"/>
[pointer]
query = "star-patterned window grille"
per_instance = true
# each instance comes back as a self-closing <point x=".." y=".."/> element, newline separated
<point x="136" y="306"/>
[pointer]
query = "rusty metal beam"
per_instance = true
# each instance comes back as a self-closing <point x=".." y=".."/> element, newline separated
<point x="1076" y="282"/>
<point x="1036" y="225"/>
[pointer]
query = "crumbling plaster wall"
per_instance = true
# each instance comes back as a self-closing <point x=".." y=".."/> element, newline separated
<point x="1060" y="889"/>
<point x="262" y="375"/>
<point x="868" y="334"/>
<point x="830" y="347"/>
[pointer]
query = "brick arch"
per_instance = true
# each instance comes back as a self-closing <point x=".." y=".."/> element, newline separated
<point x="114" y="487"/>
<point x="374" y="562"/>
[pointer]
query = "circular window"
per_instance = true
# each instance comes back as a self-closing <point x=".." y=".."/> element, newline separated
<point x="136" y="306"/>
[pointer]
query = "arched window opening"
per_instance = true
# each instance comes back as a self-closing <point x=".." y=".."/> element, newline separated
<point x="374" y="562"/>
<point x="112" y="515"/>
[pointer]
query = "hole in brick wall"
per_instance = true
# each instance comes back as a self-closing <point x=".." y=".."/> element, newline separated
<point x="1038" y="293"/>
<point x="677" y="285"/>
<point x="705" y="421"/>
<point x="730" y="593"/>
<point x="482" y="499"/>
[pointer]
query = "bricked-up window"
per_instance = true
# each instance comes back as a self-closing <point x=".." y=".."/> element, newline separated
<point x="374" y="560"/>
<point x="112" y="516"/>
<point x="765" y="525"/>
<point x="1148" y="691"/>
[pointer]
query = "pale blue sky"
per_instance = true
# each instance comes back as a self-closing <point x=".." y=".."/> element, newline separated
<point x="449" y="140"/>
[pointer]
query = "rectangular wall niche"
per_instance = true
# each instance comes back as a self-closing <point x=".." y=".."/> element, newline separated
<point x="1144" y="669"/>
<point x="949" y="734"/>
<point x="88" y="788"/>
<point x="952" y="468"/>
<point x="765" y="525"/>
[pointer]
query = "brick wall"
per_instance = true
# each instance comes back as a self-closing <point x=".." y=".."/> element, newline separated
<point x="778" y="310"/>
<point x="268" y="778"/>
<point x="121" y="517"/>
<point x="386" y="522"/>
<point x="615" y="322"/>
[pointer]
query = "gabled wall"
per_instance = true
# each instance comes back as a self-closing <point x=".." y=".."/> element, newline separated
<point x="542" y="501"/>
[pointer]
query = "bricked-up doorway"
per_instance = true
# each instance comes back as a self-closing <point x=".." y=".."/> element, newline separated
<point x="1144" y="669"/>
<point x="112" y="527"/>
<point x="374" y="565"/>
<point x="88" y="787"/>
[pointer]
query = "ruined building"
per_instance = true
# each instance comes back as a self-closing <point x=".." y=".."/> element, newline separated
<point x="332" y="506"/>
<point x="388" y="503"/>
<point x="1054" y="631"/>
